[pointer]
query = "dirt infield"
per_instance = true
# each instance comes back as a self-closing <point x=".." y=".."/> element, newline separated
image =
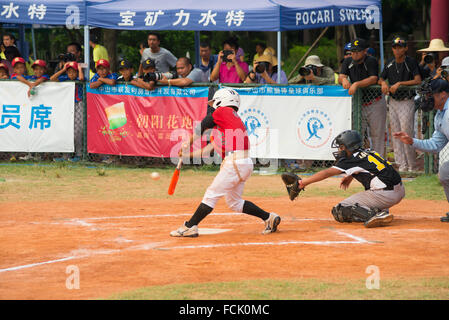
<point x="124" y="245"/>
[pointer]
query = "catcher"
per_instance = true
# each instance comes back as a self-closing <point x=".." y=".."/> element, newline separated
<point x="383" y="184"/>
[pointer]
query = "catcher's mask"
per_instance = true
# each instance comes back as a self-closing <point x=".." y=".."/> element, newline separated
<point x="352" y="141"/>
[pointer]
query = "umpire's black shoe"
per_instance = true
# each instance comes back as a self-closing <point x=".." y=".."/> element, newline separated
<point x="446" y="218"/>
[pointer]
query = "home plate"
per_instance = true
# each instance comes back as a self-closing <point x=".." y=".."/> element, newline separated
<point x="211" y="230"/>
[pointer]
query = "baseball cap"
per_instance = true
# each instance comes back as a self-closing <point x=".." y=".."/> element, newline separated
<point x="4" y="66"/>
<point x="103" y="62"/>
<point x="39" y="62"/>
<point x="314" y="61"/>
<point x="17" y="60"/>
<point x="439" y="85"/>
<point x="371" y="51"/>
<point x="445" y="62"/>
<point x="358" y="44"/>
<point x="73" y="65"/>
<point x="125" y="64"/>
<point x="398" y="41"/>
<point x="148" y="64"/>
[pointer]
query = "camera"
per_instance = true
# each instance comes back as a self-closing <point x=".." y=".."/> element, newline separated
<point x="424" y="98"/>
<point x="226" y="53"/>
<point x="445" y="73"/>
<point x="305" y="71"/>
<point x="430" y="57"/>
<point x="66" y="57"/>
<point x="261" y="67"/>
<point x="156" y="76"/>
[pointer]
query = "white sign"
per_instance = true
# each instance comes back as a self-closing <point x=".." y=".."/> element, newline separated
<point x="43" y="122"/>
<point x="296" y="122"/>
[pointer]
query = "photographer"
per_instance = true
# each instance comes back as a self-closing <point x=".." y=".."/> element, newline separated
<point x="443" y="70"/>
<point x="430" y="60"/>
<point x="149" y="77"/>
<point x="265" y="71"/>
<point x="314" y="72"/>
<point x="73" y="53"/>
<point x="433" y="94"/>
<point x="228" y="68"/>
<point x="187" y="74"/>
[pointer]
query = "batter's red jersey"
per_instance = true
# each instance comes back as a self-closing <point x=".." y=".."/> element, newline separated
<point x="228" y="131"/>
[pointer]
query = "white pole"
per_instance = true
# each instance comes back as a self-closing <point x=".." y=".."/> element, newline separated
<point x="279" y="57"/>
<point x="86" y="53"/>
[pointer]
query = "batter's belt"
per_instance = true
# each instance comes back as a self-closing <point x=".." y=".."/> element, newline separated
<point x="236" y="155"/>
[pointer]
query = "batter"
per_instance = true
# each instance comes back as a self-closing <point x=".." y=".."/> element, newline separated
<point x="230" y="139"/>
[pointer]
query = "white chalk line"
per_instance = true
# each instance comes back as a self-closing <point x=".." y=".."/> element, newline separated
<point x="158" y="246"/>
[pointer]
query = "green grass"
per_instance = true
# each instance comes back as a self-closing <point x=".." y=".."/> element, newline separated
<point x="49" y="181"/>
<point x="301" y="289"/>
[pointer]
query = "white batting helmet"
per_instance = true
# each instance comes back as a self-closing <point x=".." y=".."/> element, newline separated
<point x="226" y="97"/>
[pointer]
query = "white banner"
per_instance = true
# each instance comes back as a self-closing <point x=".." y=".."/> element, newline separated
<point x="294" y="122"/>
<point x="43" y="122"/>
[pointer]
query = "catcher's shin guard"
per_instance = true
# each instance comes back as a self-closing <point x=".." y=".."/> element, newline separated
<point x="354" y="213"/>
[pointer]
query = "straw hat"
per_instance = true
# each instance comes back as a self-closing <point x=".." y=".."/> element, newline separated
<point x="265" y="58"/>
<point x="435" y="46"/>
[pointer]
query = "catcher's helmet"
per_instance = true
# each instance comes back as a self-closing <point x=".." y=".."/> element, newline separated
<point x="351" y="139"/>
<point x="225" y="97"/>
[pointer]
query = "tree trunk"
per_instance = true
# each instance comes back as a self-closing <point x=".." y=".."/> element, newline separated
<point x="110" y="43"/>
<point x="340" y="40"/>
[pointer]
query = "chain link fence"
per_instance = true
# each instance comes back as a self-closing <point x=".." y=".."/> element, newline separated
<point x="373" y="114"/>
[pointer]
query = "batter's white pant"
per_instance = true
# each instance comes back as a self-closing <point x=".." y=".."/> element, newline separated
<point x="229" y="183"/>
<point x="402" y="119"/>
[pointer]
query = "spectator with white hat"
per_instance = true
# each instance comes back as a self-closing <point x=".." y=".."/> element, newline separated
<point x="314" y="72"/>
<point x="443" y="70"/>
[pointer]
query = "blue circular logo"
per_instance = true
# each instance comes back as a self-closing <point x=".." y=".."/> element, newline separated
<point x="257" y="125"/>
<point x="314" y="128"/>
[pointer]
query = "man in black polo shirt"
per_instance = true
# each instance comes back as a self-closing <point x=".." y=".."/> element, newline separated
<point x="401" y="71"/>
<point x="360" y="71"/>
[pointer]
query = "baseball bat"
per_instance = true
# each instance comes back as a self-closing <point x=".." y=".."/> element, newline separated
<point x="174" y="178"/>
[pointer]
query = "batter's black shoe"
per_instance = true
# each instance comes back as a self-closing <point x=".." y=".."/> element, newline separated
<point x="379" y="219"/>
<point x="271" y="224"/>
<point x="446" y="218"/>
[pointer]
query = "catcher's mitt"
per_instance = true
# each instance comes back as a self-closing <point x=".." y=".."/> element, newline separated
<point x="291" y="181"/>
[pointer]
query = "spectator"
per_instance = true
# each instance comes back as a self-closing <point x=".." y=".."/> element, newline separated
<point x="443" y="70"/>
<point x="361" y="71"/>
<point x="8" y="40"/>
<point x="11" y="53"/>
<point x="207" y="61"/>
<point x="19" y="70"/>
<point x="73" y="53"/>
<point x="401" y="71"/>
<point x="371" y="52"/>
<point x="314" y="72"/>
<point x="99" y="52"/>
<point x="187" y="74"/>
<point x="228" y="69"/>
<point x="4" y="71"/>
<point x="265" y="71"/>
<point x="40" y="68"/>
<point x="163" y="59"/>
<point x="72" y="71"/>
<point x="260" y="48"/>
<point x="148" y="79"/>
<point x="103" y="75"/>
<point x="346" y="52"/>
<point x="240" y="53"/>
<point x="126" y="71"/>
<point x="142" y="47"/>
<point x="430" y="58"/>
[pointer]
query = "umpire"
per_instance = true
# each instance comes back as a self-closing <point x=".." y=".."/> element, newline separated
<point x="440" y="94"/>
<point x="401" y="71"/>
<point x="360" y="71"/>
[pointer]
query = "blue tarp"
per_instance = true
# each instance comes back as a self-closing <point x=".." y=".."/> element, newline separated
<point x="50" y="12"/>
<point x="194" y="15"/>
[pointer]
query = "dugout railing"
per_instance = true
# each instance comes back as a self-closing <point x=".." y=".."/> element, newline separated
<point x="423" y="124"/>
